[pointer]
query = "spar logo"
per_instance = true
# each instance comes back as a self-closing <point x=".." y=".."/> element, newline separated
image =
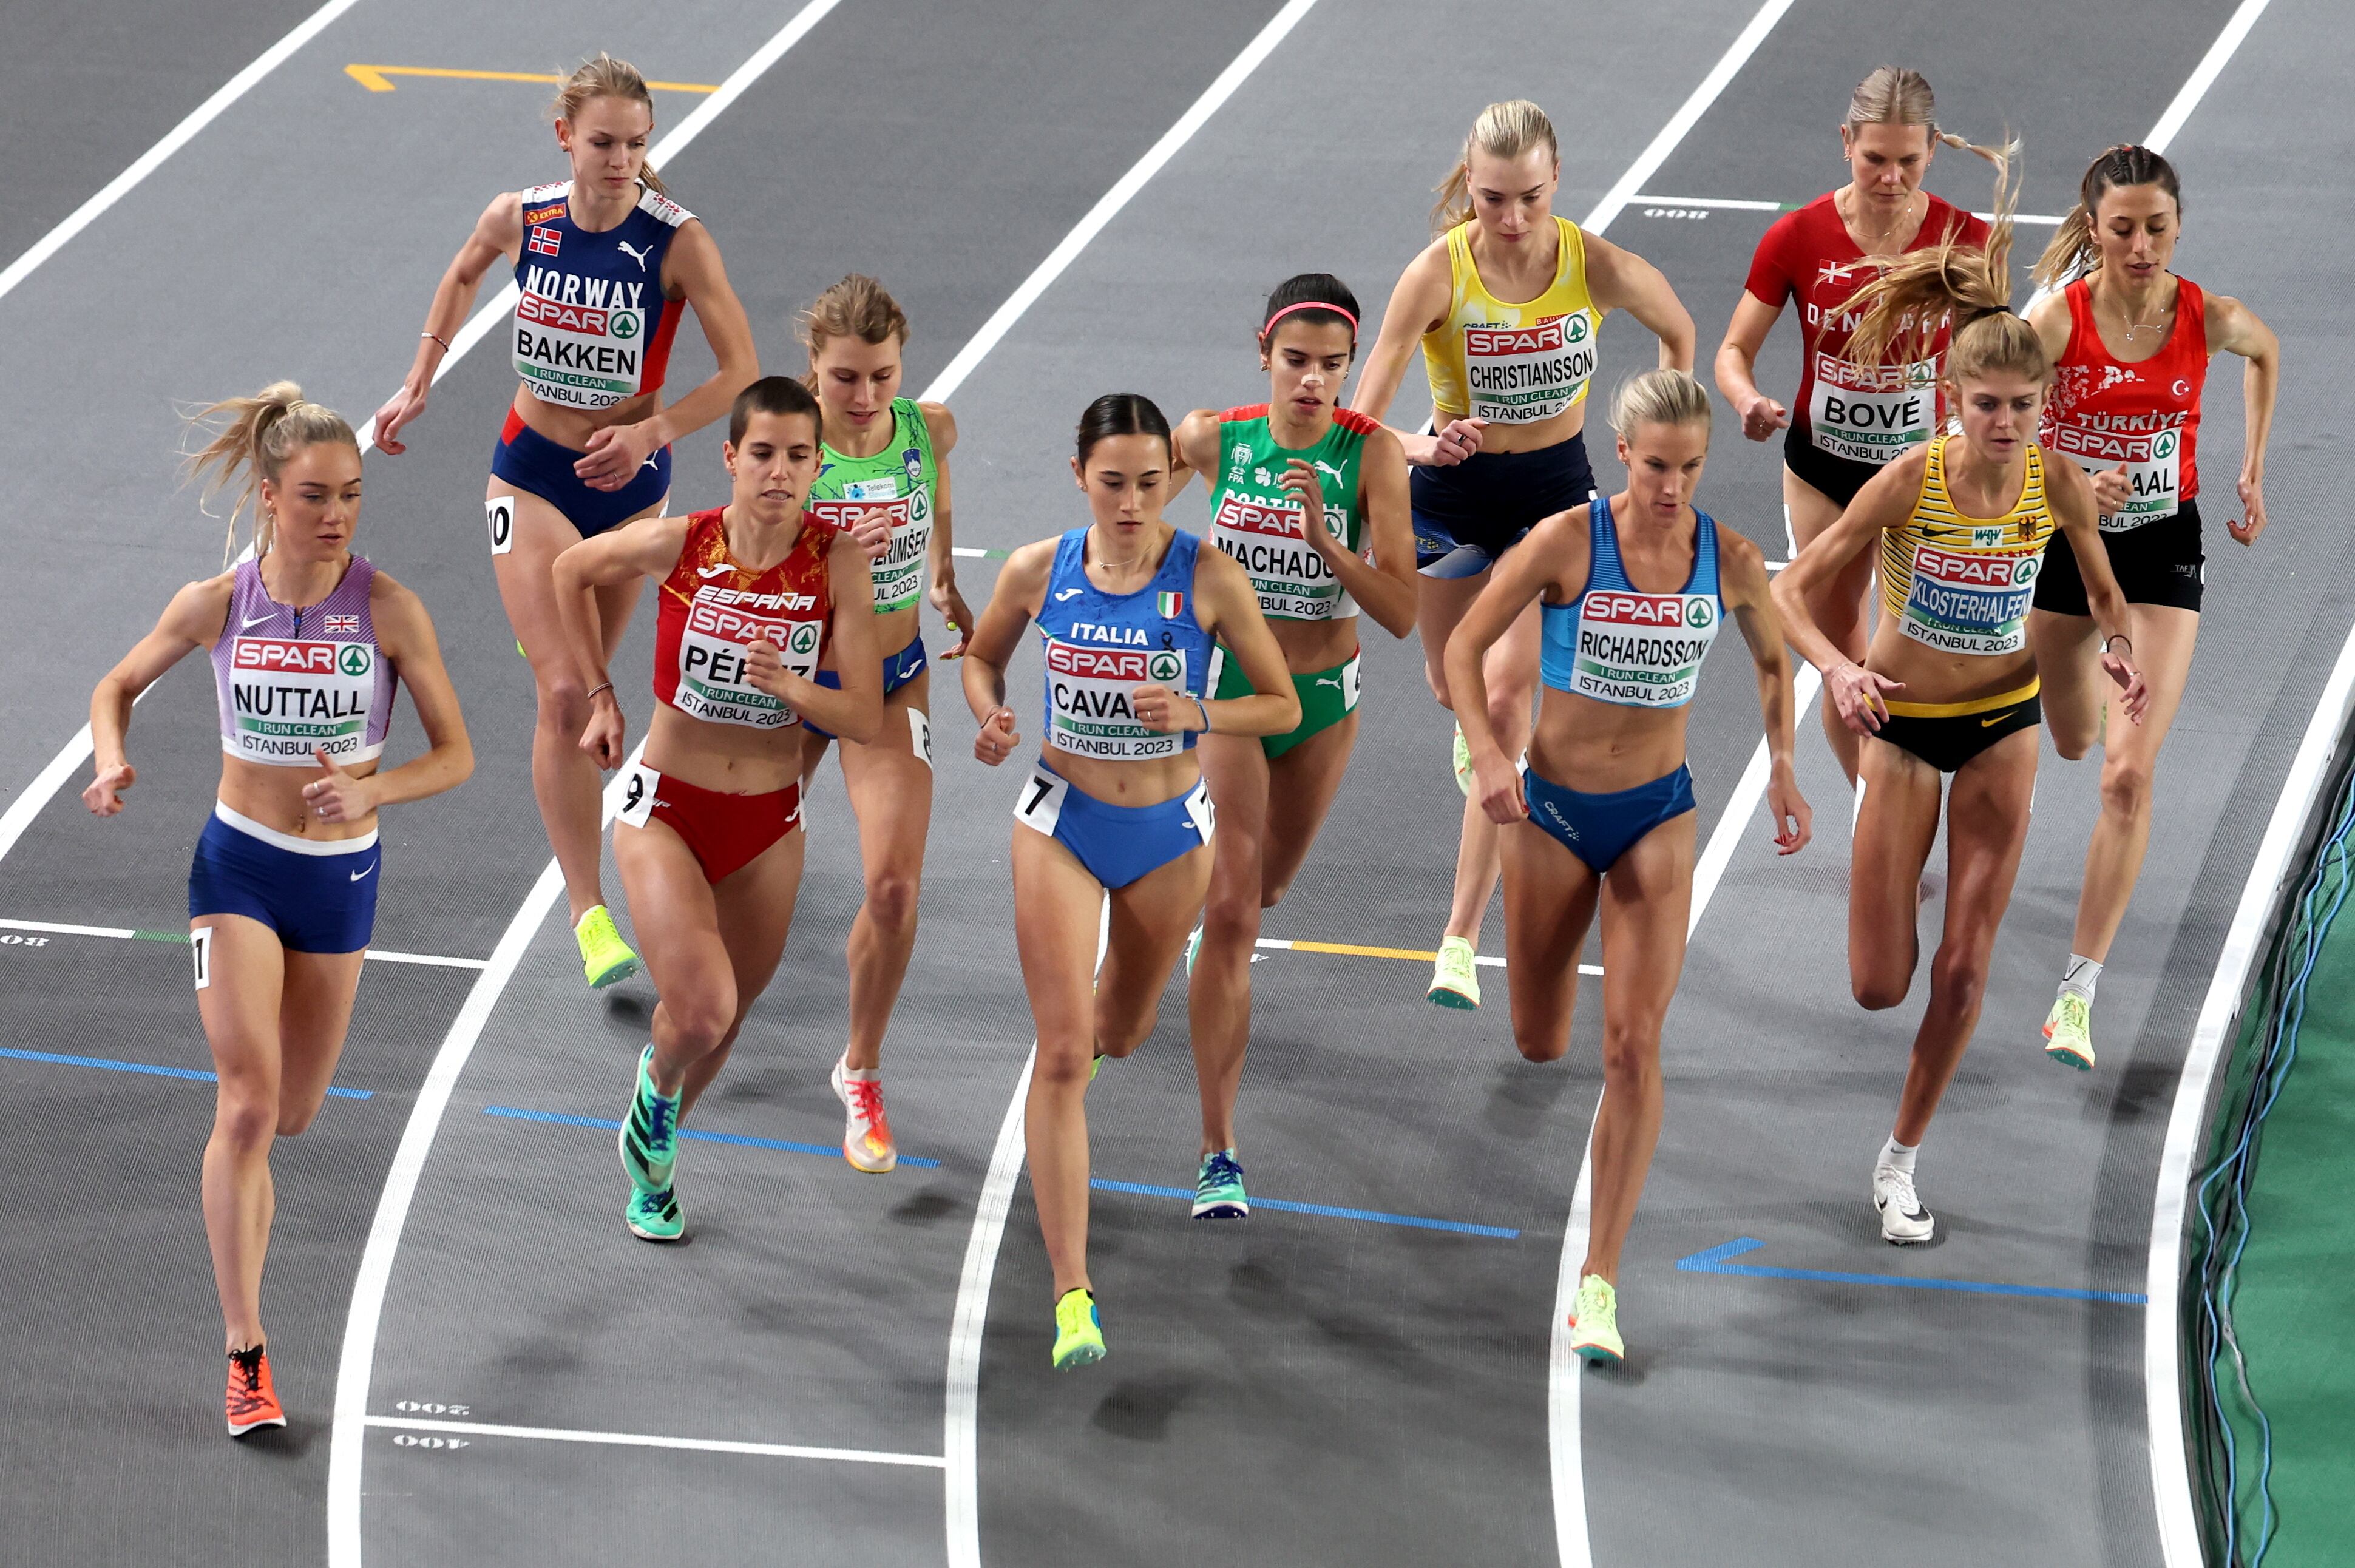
<point x="1164" y="666"/>
<point x="2163" y="447"/>
<point x="1660" y="611"/>
<point x="1975" y="571"/>
<point x="1129" y="664"/>
<point x="804" y="638"/>
<point x="734" y="626"/>
<point x="355" y="660"/>
<point x="1542" y="338"/>
<point x="624" y="324"/>
<point x="1245" y="515"/>
<point x="588" y="321"/>
<point x="289" y="658"/>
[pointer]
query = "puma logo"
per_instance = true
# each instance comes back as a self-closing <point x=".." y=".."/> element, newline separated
<point x="1069" y="593"/>
<point x="634" y="253"/>
<point x="1321" y="466"/>
<point x="1329" y="681"/>
<point x="1998" y="718"/>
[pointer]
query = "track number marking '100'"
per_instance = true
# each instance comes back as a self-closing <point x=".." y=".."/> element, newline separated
<point x="425" y="1440"/>
<point x="1676" y="212"/>
<point x="423" y="1407"/>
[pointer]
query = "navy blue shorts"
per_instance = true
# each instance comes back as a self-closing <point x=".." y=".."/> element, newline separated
<point x="318" y="897"/>
<point x="1599" y="829"/>
<point x="530" y="462"/>
<point x="1118" y="844"/>
<point x="1468" y="515"/>
<point x="899" y="669"/>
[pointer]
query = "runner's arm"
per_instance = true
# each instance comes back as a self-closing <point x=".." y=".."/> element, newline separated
<point x="197" y="616"/>
<point x="854" y="712"/>
<point x="2070" y="495"/>
<point x="1417" y="306"/>
<point x="404" y="632"/>
<point x="1193" y="449"/>
<point x="941" y="554"/>
<point x="1741" y="581"/>
<point x="647" y="549"/>
<point x="1228" y="607"/>
<point x="1619" y="280"/>
<point x="1528" y="570"/>
<point x="1020" y="590"/>
<point x="2238" y="329"/>
<point x="1386" y="586"/>
<point x="1737" y="367"/>
<point x="498" y="234"/>
<point x="615" y="453"/>
<point x="1885" y="503"/>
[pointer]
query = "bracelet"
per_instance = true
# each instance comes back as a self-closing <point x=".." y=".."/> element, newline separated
<point x="2117" y="637"/>
<point x="437" y="337"/>
<point x="593" y="691"/>
<point x="1201" y="708"/>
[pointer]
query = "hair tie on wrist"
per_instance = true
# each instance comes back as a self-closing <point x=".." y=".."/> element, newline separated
<point x="594" y="690"/>
<point x="1202" y="708"/>
<point x="437" y="337"/>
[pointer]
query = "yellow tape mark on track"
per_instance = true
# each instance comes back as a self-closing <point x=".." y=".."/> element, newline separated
<point x="377" y="78"/>
<point x="1350" y="949"/>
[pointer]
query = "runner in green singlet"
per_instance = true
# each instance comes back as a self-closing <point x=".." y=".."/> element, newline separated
<point x="1311" y="499"/>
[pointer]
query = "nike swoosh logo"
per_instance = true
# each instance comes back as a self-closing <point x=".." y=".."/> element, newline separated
<point x="358" y="874"/>
<point x="1998" y="718"/>
<point x="712" y="571"/>
<point x="253" y="620"/>
<point x="1069" y="593"/>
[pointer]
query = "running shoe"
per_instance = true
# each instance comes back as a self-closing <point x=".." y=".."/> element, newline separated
<point x="252" y="1402"/>
<point x="649" y="1136"/>
<point x="605" y="959"/>
<point x="1095" y="1065"/>
<point x="655" y="1216"/>
<point x="1193" y="949"/>
<point x="1078" y="1330"/>
<point x="1219" y="1187"/>
<point x="1904" y="1220"/>
<point x="1452" y="982"/>
<point x="1461" y="757"/>
<point x="1595" y="1322"/>
<point x="2068" y="1032"/>
<point x="867" y="1134"/>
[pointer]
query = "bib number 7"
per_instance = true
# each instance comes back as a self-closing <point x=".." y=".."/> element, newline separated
<point x="1040" y="805"/>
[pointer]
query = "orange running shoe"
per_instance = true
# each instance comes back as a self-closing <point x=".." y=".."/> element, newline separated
<point x="252" y="1403"/>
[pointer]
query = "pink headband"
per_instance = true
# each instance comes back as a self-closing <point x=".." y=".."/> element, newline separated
<point x="1310" y="305"/>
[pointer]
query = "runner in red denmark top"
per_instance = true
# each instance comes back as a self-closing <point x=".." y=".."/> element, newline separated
<point x="2104" y="412"/>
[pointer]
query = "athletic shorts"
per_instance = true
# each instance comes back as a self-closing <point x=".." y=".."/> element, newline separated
<point x="1117" y="844"/>
<point x="1327" y="697"/>
<point x="724" y="833"/>
<point x="1837" y="478"/>
<point x="1599" y="829"/>
<point x="899" y="669"/>
<point x="530" y="462"/>
<point x="1468" y="514"/>
<point x="2158" y="563"/>
<point x="319" y="896"/>
<point x="1948" y="735"/>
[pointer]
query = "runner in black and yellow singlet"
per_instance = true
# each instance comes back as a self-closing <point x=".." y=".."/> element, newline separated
<point x="1505" y="305"/>
<point x="1962" y="522"/>
<point x="1311" y="499"/>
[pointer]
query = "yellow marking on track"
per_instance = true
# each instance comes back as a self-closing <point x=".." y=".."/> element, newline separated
<point x="376" y="78"/>
<point x="1350" y="949"/>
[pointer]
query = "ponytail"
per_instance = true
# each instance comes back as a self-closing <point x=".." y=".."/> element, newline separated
<point x="1504" y="130"/>
<point x="258" y="434"/>
<point x="2072" y="252"/>
<point x="605" y="76"/>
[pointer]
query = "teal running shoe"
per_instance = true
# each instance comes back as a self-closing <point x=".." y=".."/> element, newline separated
<point x="1595" y="1322"/>
<point x="1193" y="950"/>
<point x="1078" y="1330"/>
<point x="1454" y="979"/>
<point x="649" y="1137"/>
<point x="2068" y="1033"/>
<point x="655" y="1216"/>
<point x="1219" y="1187"/>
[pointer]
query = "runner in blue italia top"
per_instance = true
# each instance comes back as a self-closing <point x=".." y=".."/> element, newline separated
<point x="605" y="265"/>
<point x="1311" y="499"/>
<point x="1127" y="609"/>
<point x="885" y="480"/>
<point x="1634" y="588"/>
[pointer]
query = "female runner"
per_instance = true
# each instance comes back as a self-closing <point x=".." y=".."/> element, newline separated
<point x="1505" y="305"/>
<point x="309" y="643"/>
<point x="1961" y="522"/>
<point x="605" y="262"/>
<point x="884" y="476"/>
<point x="752" y="595"/>
<point x="1847" y="421"/>
<point x="1115" y="809"/>
<point x="1605" y="814"/>
<point x="1302" y="493"/>
<point x="2129" y="342"/>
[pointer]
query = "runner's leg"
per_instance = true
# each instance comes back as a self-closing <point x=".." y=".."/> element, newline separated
<point x="1550" y="900"/>
<point x="2068" y="675"/>
<point x="1057" y="905"/>
<point x="1218" y="993"/>
<point x="755" y="907"/>
<point x="239" y="1003"/>
<point x="892" y="794"/>
<point x="2163" y="636"/>
<point x="1895" y="826"/>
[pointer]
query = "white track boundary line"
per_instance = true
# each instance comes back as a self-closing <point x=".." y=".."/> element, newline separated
<point x="1564" y="1444"/>
<point x="961" y="1407"/>
<point x="357" y="1365"/>
<point x="2204" y="76"/>
<point x="125" y="934"/>
<point x="647" y="1440"/>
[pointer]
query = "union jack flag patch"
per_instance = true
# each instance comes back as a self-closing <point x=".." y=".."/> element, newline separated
<point x="347" y="623"/>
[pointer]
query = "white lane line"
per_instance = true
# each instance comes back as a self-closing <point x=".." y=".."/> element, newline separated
<point x="179" y="136"/>
<point x="119" y="933"/>
<point x="1112" y="200"/>
<point x="1731" y="204"/>
<point x="1564" y="1442"/>
<point x="2204" y="76"/>
<point x="962" y="1406"/>
<point x="358" y="1364"/>
<point x="432" y="960"/>
<point x="649" y="1440"/>
<point x="125" y="934"/>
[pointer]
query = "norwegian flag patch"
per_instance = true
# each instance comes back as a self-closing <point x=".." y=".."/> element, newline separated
<point x="546" y="241"/>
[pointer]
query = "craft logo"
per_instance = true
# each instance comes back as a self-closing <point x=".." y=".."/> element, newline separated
<point x="546" y="241"/>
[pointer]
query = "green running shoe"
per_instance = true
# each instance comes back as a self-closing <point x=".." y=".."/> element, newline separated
<point x="649" y="1137"/>
<point x="1461" y="757"/>
<point x="655" y="1216"/>
<point x="1595" y="1318"/>
<point x="2068" y="1032"/>
<point x="1219" y="1187"/>
<point x="1454" y="982"/>
<point x="1193" y="950"/>
<point x="605" y="959"/>
<point x="1079" y="1331"/>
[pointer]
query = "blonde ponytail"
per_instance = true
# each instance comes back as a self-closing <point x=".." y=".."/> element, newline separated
<point x="605" y="76"/>
<point x="257" y="435"/>
<point x="1893" y="95"/>
<point x="1504" y="130"/>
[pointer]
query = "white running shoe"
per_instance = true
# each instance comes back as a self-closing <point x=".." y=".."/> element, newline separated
<point x="866" y="1130"/>
<point x="1903" y="1220"/>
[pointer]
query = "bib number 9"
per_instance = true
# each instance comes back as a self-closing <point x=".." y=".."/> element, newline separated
<point x="498" y="512"/>
<point x="638" y="792"/>
<point x="1040" y="805"/>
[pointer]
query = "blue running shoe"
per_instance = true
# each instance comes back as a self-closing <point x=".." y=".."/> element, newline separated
<point x="1218" y="1188"/>
<point x="649" y="1138"/>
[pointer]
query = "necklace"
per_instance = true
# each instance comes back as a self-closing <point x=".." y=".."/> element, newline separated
<point x="2135" y="329"/>
<point x="1109" y="564"/>
<point x="1882" y="239"/>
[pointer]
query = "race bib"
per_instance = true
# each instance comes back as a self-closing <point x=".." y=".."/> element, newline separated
<point x="1971" y="604"/>
<point x="2154" y="465"/>
<point x="1642" y="650"/>
<point x="201" y="940"/>
<point x="899" y="574"/>
<point x="290" y="698"/>
<point x="1040" y="804"/>
<point x="638" y="790"/>
<point x="579" y="341"/>
<point x="1872" y="414"/>
<point x="1270" y="542"/>
<point x="1200" y="811"/>
<point x="920" y="735"/>
<point x="714" y="645"/>
<point x="1087" y="698"/>
<point x="1521" y="375"/>
<point x="499" y="512"/>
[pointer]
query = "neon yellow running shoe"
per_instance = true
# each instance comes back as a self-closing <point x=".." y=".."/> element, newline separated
<point x="1453" y="982"/>
<point x="604" y="956"/>
<point x="1079" y="1331"/>
<point x="2068" y="1032"/>
<point x="1595" y="1318"/>
<point x="1462" y="760"/>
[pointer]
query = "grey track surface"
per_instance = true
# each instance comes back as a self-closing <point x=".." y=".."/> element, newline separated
<point x="1269" y="1382"/>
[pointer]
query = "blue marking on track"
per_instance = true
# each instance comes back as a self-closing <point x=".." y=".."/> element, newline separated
<point x="190" y="1074"/>
<point x="1713" y="1262"/>
<point x="831" y="1151"/>
<point x="1323" y="1211"/>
